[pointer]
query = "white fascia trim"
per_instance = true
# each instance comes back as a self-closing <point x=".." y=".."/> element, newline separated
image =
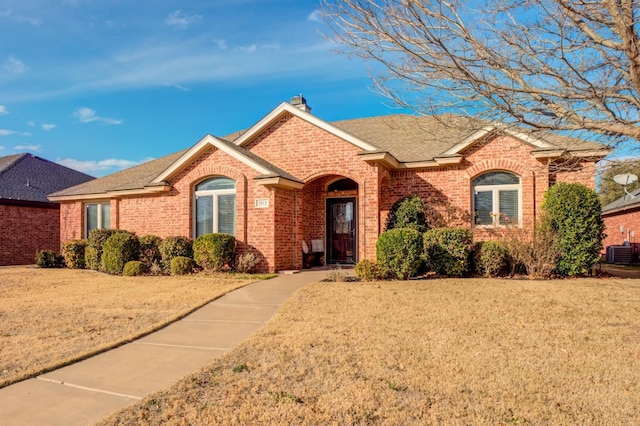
<point x="280" y="182"/>
<point x="198" y="148"/>
<point x="303" y="115"/>
<point x="113" y="194"/>
<point x="380" y="157"/>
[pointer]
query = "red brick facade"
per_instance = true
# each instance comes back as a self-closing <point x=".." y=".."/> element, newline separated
<point x="622" y="226"/>
<point x="319" y="157"/>
<point x="25" y="229"/>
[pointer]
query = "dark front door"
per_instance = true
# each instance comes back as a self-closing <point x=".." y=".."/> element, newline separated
<point x="341" y="230"/>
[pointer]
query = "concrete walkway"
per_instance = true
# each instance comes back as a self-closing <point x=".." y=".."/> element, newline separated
<point x="87" y="391"/>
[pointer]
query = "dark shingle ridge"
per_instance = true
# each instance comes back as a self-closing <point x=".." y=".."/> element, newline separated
<point x="27" y="177"/>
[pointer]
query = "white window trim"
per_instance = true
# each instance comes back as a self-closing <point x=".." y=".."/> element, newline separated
<point x="213" y="193"/>
<point x="86" y="216"/>
<point x="495" y="201"/>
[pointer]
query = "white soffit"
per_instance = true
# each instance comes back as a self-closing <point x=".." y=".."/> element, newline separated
<point x="539" y="143"/>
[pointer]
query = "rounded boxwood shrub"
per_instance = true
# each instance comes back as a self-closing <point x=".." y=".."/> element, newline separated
<point x="119" y="248"/>
<point x="399" y="252"/>
<point x="181" y="265"/>
<point x="215" y="252"/>
<point x="93" y="251"/>
<point x="490" y="258"/>
<point x="133" y="268"/>
<point x="172" y="247"/>
<point x="574" y="212"/>
<point x="447" y="250"/>
<point x="74" y="253"/>
<point x="49" y="259"/>
<point x="368" y="270"/>
<point x="150" y="250"/>
<point x="408" y="212"/>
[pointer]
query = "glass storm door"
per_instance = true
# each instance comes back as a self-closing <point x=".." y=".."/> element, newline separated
<point x="341" y="230"/>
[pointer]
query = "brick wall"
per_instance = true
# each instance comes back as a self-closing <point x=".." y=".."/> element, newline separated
<point x="628" y="220"/>
<point x="24" y="230"/>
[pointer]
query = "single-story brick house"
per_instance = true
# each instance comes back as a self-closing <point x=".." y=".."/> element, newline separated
<point x="28" y="220"/>
<point x="294" y="181"/>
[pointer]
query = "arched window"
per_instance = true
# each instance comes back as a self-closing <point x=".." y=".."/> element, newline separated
<point x="497" y="199"/>
<point x="215" y="206"/>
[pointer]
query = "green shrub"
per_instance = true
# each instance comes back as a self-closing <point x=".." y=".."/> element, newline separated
<point x="399" y="252"/>
<point x="490" y="258"/>
<point x="368" y="270"/>
<point x="215" y="252"/>
<point x="172" y="247"/>
<point x="119" y="248"/>
<point x="150" y="250"/>
<point x="93" y="251"/>
<point x="74" y="253"/>
<point x="447" y="250"/>
<point x="49" y="259"/>
<point x="133" y="268"/>
<point x="408" y="212"/>
<point x="181" y="265"/>
<point x="574" y="212"/>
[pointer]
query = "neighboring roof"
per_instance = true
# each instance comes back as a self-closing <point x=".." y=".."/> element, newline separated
<point x="26" y="177"/>
<point x="415" y="140"/>
<point x="623" y="203"/>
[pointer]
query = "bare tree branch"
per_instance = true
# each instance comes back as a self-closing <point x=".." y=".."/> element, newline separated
<point x="560" y="65"/>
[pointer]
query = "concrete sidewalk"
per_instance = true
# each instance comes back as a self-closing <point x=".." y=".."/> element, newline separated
<point x="89" y="390"/>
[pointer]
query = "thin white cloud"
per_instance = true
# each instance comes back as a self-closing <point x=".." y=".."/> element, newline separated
<point x="8" y="13"/>
<point x="97" y="166"/>
<point x="34" y="148"/>
<point x="48" y="126"/>
<point x="315" y="16"/>
<point x="7" y="132"/>
<point x="31" y="123"/>
<point x="221" y="43"/>
<point x="178" y="86"/>
<point x="15" y="65"/>
<point x="180" y="20"/>
<point x="88" y="115"/>
<point x="3" y="110"/>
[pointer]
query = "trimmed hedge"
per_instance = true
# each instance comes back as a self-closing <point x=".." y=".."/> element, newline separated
<point x="215" y="252"/>
<point x="120" y="248"/>
<point x="490" y="258"/>
<point x="93" y="251"/>
<point x="49" y="259"/>
<point x="172" y="247"/>
<point x="574" y="212"/>
<point x="447" y="250"/>
<point x="74" y="253"/>
<point x="181" y="265"/>
<point x="399" y="252"/>
<point x="134" y="268"/>
<point x="368" y="270"/>
<point x="408" y="212"/>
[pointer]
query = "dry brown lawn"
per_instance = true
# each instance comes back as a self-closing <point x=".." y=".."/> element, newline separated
<point x="425" y="352"/>
<point x="50" y="317"/>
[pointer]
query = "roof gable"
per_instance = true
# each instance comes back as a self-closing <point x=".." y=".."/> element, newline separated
<point x="285" y="108"/>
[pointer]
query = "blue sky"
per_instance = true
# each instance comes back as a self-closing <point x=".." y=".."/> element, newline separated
<point x="100" y="85"/>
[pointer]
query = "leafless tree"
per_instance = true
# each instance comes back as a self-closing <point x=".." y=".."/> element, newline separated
<point x="560" y="65"/>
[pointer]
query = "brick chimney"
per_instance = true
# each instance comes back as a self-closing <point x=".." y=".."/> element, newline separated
<point x="300" y="102"/>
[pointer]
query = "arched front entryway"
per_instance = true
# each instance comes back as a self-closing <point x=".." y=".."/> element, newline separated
<point x="329" y="226"/>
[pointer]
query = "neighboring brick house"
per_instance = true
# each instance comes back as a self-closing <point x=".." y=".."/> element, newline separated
<point x="622" y="223"/>
<point x="28" y="220"/>
<point x="294" y="180"/>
